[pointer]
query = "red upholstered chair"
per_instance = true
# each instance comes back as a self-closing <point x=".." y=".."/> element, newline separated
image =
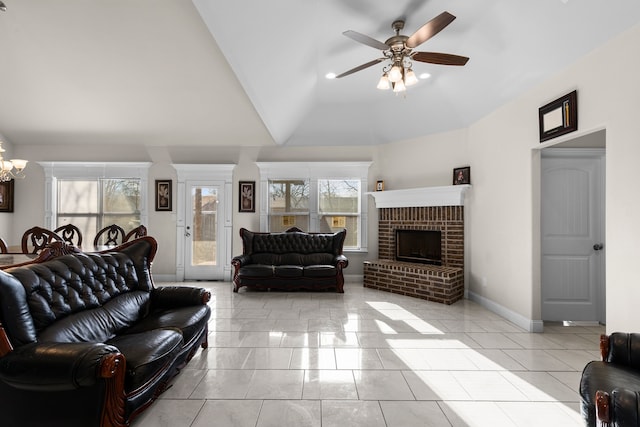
<point x="139" y="231"/>
<point x="36" y="239"/>
<point x="112" y="235"/>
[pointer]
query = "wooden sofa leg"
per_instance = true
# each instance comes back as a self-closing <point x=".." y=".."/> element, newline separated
<point x="603" y="405"/>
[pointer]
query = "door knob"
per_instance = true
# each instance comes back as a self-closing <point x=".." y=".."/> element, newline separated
<point x="598" y="247"/>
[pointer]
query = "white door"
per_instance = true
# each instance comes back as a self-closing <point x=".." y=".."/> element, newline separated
<point x="572" y="241"/>
<point x="203" y="226"/>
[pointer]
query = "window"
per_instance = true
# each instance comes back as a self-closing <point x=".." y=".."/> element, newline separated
<point x="95" y="195"/>
<point x="93" y="204"/>
<point x="316" y="197"/>
<point x="339" y="207"/>
<point x="288" y="204"/>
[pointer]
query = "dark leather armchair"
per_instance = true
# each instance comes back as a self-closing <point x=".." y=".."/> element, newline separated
<point x="610" y="388"/>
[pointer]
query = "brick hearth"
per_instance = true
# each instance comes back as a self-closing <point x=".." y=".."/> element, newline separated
<point x="444" y="283"/>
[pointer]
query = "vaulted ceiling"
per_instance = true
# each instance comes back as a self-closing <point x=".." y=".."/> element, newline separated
<point x="252" y="72"/>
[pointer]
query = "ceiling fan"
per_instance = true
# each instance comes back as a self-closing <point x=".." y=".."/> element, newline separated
<point x="398" y="50"/>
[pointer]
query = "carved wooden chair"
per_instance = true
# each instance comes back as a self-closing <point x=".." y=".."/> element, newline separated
<point x="36" y="239"/>
<point x="3" y="246"/>
<point x="112" y="235"/>
<point x="139" y="231"/>
<point x="70" y="234"/>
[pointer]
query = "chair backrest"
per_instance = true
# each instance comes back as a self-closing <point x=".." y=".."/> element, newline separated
<point x="36" y="239"/>
<point x="3" y="246"/>
<point x="139" y="231"/>
<point x="70" y="234"/>
<point x="112" y="235"/>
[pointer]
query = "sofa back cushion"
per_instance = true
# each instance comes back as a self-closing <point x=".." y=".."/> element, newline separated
<point x="293" y="246"/>
<point x="79" y="297"/>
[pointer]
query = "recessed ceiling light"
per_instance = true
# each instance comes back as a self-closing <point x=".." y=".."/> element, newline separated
<point x="330" y="75"/>
<point x="424" y="76"/>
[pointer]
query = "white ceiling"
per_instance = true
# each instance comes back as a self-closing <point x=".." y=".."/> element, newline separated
<point x="149" y="71"/>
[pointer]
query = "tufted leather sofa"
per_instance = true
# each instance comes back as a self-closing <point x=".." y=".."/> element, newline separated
<point x="86" y="339"/>
<point x="610" y="388"/>
<point x="288" y="260"/>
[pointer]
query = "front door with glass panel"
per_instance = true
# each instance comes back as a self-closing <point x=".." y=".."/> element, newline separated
<point x="202" y="230"/>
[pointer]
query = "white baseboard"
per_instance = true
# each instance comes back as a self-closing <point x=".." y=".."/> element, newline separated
<point x="529" y="325"/>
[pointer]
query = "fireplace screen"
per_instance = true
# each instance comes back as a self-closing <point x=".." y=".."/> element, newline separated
<point x="423" y="246"/>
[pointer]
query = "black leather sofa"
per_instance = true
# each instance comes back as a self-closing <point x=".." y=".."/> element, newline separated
<point x="610" y="388"/>
<point x="86" y="339"/>
<point x="290" y="260"/>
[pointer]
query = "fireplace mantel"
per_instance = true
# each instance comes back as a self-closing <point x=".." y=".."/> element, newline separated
<point x="450" y="195"/>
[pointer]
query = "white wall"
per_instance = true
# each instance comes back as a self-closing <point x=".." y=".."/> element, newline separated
<point x="503" y="154"/>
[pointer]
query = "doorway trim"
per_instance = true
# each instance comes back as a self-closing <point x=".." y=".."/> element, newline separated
<point x="536" y="158"/>
<point x="204" y="172"/>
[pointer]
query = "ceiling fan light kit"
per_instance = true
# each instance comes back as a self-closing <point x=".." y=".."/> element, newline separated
<point x="398" y="50"/>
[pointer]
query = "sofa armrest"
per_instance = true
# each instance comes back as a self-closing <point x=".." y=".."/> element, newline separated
<point x="621" y="348"/>
<point x="620" y="408"/>
<point x="51" y="366"/>
<point x="179" y="296"/>
<point x="341" y="261"/>
<point x="240" y="260"/>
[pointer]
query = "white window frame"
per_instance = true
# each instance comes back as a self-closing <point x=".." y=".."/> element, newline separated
<point x="88" y="170"/>
<point x="313" y="171"/>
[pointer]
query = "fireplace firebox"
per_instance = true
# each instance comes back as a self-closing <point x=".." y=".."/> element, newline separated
<point x="423" y="246"/>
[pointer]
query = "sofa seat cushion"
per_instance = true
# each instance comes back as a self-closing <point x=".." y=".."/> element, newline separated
<point x="257" y="270"/>
<point x="288" y="270"/>
<point x="320" y="271"/>
<point x="147" y="354"/>
<point x="190" y="320"/>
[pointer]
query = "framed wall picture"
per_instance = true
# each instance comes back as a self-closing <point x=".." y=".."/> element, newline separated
<point x="462" y="175"/>
<point x="380" y="185"/>
<point x="163" y="195"/>
<point x="6" y="196"/>
<point x="558" y="117"/>
<point x="247" y="196"/>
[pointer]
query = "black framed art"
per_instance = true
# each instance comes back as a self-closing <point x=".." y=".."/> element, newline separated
<point x="163" y="195"/>
<point x="247" y="196"/>
<point x="6" y="196"/>
<point x="558" y="117"/>
<point x="462" y="175"/>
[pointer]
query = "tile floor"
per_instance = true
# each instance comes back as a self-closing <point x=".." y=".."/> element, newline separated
<point x="370" y="358"/>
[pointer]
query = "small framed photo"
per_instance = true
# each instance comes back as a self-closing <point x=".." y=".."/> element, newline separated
<point x="163" y="195"/>
<point x="6" y="196"/>
<point x="247" y="196"/>
<point x="558" y="117"/>
<point x="379" y="185"/>
<point x="462" y="175"/>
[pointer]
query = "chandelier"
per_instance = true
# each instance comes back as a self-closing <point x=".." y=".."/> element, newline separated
<point x="10" y="169"/>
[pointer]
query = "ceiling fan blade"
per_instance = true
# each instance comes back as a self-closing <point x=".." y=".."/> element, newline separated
<point x="430" y="29"/>
<point x="439" y="58"/>
<point x="361" y="38"/>
<point x="360" y="67"/>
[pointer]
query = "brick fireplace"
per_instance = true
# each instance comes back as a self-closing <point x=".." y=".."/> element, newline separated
<point x="438" y="209"/>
